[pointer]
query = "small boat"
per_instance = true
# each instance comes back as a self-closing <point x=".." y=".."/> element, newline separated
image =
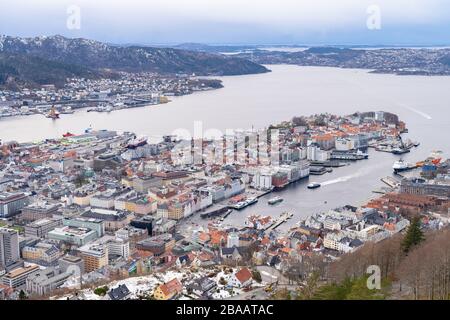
<point x="68" y="134"/>
<point x="314" y="185"/>
<point x="67" y="110"/>
<point x="275" y="200"/>
<point x="400" y="151"/>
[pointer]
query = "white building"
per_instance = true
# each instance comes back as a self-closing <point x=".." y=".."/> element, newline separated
<point x="232" y="240"/>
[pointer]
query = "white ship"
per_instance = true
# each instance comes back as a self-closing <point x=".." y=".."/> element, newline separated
<point x="402" y="165"/>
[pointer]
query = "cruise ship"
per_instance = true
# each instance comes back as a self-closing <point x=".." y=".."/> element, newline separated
<point x="138" y="142"/>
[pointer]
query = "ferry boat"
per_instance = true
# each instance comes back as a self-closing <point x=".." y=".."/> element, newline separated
<point x="314" y="185"/>
<point x="275" y="200"/>
<point x="245" y="203"/>
<point x="402" y="165"/>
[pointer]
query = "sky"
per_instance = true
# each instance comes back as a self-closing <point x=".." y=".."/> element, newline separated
<point x="356" y="22"/>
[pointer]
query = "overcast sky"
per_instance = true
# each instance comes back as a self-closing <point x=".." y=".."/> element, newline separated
<point x="421" y="22"/>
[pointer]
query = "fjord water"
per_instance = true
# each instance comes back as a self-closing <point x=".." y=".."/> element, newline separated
<point x="259" y="100"/>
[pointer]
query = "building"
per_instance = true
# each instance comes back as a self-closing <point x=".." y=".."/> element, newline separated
<point x="242" y="278"/>
<point x="42" y="253"/>
<point x="38" y="210"/>
<point x="157" y="244"/>
<point x="345" y="144"/>
<point x="120" y="293"/>
<point x="203" y="286"/>
<point x="232" y="240"/>
<point x="132" y="235"/>
<point x="18" y="277"/>
<point x="104" y="200"/>
<point x="144" y="223"/>
<point x="325" y="141"/>
<point x="75" y="235"/>
<point x="113" y="219"/>
<point x="116" y="246"/>
<point x="43" y="282"/>
<point x="71" y="264"/>
<point x="9" y="247"/>
<point x="332" y="240"/>
<point x="40" y="228"/>
<point x="96" y="225"/>
<point x="168" y="290"/>
<point x="12" y="203"/>
<point x="314" y="153"/>
<point x="95" y="256"/>
<point x="421" y="187"/>
<point x="143" y="184"/>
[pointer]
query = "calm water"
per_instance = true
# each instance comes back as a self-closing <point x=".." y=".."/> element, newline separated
<point x="258" y="100"/>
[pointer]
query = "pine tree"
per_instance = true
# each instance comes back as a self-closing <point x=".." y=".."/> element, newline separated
<point x="413" y="235"/>
<point x="22" y="295"/>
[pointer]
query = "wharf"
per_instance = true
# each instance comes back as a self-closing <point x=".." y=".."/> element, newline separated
<point x="285" y="216"/>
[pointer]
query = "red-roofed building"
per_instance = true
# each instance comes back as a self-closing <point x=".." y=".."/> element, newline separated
<point x="242" y="278"/>
<point x="168" y="290"/>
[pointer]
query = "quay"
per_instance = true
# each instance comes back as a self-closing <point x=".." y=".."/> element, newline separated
<point x="282" y="219"/>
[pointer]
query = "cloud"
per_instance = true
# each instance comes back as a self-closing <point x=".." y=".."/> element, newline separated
<point x="223" y="20"/>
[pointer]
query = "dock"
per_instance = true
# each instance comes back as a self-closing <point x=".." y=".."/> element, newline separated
<point x="391" y="182"/>
<point x="282" y="219"/>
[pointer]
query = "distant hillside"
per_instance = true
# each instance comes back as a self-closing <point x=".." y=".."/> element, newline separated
<point x="25" y="69"/>
<point x="402" y="61"/>
<point x="62" y="57"/>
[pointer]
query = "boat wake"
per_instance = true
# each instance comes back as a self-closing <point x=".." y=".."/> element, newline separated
<point x="420" y="113"/>
<point x="341" y="179"/>
<point x="361" y="172"/>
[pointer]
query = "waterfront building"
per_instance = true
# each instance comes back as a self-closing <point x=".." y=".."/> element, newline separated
<point x="314" y="153"/>
<point x="421" y="187"/>
<point x="345" y="144"/>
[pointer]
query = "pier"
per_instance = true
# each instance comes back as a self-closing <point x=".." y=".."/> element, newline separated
<point x="282" y="219"/>
<point x="391" y="182"/>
